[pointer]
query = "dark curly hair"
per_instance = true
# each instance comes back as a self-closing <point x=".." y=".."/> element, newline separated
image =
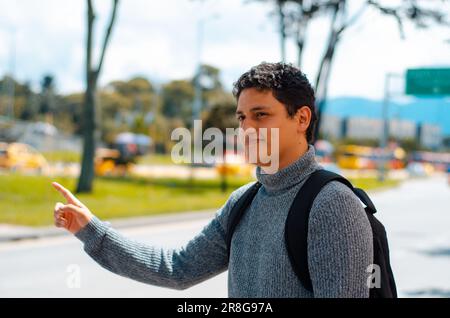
<point x="288" y="85"/>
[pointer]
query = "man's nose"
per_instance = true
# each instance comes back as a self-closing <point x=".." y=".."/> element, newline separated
<point x="248" y="124"/>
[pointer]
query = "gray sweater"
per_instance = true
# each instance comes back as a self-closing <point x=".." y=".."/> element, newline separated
<point x="339" y="244"/>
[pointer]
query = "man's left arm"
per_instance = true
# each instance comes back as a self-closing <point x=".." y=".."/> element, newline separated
<point x="340" y="245"/>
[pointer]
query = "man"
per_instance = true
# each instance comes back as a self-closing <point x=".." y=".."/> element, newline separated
<point x="269" y="96"/>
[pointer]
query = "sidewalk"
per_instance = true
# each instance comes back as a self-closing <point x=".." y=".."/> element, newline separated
<point x="10" y="233"/>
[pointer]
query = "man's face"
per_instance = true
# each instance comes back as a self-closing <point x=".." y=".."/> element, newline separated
<point x="260" y="109"/>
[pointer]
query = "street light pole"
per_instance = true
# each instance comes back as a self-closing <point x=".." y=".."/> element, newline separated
<point x="10" y="85"/>
<point x="198" y="90"/>
<point x="13" y="70"/>
<point x="197" y="105"/>
<point x="382" y="170"/>
<point x="385" y="132"/>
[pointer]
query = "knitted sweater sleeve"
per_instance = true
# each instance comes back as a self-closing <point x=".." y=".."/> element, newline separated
<point x="203" y="257"/>
<point x="340" y="246"/>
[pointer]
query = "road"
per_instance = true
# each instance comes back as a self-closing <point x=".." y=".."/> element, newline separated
<point x="417" y="219"/>
<point x="43" y="268"/>
<point x="416" y="216"/>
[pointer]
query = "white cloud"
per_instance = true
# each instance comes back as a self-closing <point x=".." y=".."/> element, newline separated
<point x="158" y="39"/>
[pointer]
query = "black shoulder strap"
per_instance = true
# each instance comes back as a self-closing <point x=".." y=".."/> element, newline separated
<point x="296" y="228"/>
<point x="238" y="211"/>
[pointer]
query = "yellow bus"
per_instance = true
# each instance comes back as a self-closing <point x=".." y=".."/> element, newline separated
<point x="355" y="157"/>
<point x="364" y="157"/>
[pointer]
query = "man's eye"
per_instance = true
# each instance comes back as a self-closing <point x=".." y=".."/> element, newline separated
<point x="240" y="118"/>
<point x="259" y="115"/>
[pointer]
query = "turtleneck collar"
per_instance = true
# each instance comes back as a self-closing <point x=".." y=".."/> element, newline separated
<point x="290" y="175"/>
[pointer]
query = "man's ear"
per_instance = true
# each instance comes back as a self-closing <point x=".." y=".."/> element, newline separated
<point x="303" y="117"/>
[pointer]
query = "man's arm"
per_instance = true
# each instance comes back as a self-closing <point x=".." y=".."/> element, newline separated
<point x="340" y="245"/>
<point x="202" y="257"/>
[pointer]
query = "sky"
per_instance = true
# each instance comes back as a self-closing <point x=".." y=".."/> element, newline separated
<point x="160" y="40"/>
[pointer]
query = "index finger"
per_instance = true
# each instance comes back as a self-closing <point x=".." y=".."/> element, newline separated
<point x="66" y="193"/>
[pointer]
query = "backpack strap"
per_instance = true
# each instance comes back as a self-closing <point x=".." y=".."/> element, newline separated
<point x="296" y="228"/>
<point x="238" y="211"/>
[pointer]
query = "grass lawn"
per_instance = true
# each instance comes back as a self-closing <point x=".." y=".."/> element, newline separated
<point x="371" y="184"/>
<point x="62" y="156"/>
<point x="72" y="156"/>
<point x="29" y="200"/>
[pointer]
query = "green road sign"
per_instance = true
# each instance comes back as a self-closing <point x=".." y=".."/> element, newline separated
<point x="428" y="81"/>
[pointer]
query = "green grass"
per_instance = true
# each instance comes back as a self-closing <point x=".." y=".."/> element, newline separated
<point x="29" y="200"/>
<point x="370" y="184"/>
<point x="62" y="156"/>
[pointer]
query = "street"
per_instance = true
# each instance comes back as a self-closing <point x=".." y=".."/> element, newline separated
<point x="416" y="216"/>
<point x="42" y="268"/>
<point x="417" y="219"/>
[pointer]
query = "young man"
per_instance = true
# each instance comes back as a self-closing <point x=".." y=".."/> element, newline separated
<point x="270" y="95"/>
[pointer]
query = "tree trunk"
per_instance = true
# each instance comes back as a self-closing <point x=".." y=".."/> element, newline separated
<point x="87" y="164"/>
<point x="300" y="46"/>
<point x="302" y="25"/>
<point x="323" y="86"/>
<point x="324" y="72"/>
<point x="338" y="25"/>
<point x="89" y="123"/>
<point x="282" y="26"/>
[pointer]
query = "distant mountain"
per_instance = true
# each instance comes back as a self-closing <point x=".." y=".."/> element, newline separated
<point x="424" y="110"/>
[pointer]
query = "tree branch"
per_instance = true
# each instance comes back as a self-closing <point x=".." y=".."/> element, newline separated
<point x="409" y="10"/>
<point x="330" y="40"/>
<point x="354" y="18"/>
<point x="107" y="35"/>
<point x="91" y="17"/>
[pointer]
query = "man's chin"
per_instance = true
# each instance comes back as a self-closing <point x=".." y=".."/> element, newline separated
<point x="266" y="167"/>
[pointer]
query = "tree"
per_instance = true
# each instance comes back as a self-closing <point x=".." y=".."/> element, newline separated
<point x="294" y="17"/>
<point x="280" y="4"/>
<point x="47" y="104"/>
<point x="92" y="74"/>
<point x="178" y="95"/>
<point x="19" y="102"/>
<point x="136" y="85"/>
<point x="72" y="106"/>
<point x="177" y="99"/>
<point x="29" y="110"/>
<point x="211" y="86"/>
<point x="222" y="116"/>
<point x="131" y="102"/>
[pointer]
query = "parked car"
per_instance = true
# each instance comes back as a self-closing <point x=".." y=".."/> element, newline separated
<point x="233" y="164"/>
<point x="19" y="157"/>
<point x="112" y="162"/>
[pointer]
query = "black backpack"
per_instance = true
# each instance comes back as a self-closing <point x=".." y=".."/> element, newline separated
<point x="296" y="230"/>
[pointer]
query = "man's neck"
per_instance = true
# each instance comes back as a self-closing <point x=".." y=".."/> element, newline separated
<point x="289" y="158"/>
